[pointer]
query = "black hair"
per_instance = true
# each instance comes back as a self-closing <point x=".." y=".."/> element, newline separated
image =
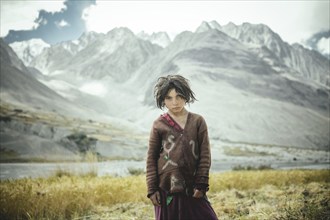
<point x="177" y="82"/>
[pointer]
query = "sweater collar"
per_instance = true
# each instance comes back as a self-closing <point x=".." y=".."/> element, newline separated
<point x="171" y="122"/>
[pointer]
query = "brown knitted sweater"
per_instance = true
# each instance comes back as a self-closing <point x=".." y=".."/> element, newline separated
<point x="178" y="159"/>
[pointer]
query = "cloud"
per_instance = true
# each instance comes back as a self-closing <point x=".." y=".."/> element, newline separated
<point x="320" y="41"/>
<point x="61" y="24"/>
<point x="324" y="46"/>
<point x="54" y="27"/>
<point x="294" y="21"/>
<point x="21" y="14"/>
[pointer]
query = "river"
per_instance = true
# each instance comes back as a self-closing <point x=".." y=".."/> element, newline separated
<point x="116" y="168"/>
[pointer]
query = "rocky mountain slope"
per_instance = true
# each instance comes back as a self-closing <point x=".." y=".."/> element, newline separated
<point x="243" y="97"/>
<point x="271" y="48"/>
<point x="38" y="124"/>
<point x="252" y="87"/>
<point x="114" y="55"/>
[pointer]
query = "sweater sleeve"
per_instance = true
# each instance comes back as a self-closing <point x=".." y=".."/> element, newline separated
<point x="152" y="158"/>
<point x="202" y="173"/>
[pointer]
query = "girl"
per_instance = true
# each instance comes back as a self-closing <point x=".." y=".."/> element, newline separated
<point x="178" y="159"/>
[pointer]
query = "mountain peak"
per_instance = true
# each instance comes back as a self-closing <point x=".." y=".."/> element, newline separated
<point x="121" y="31"/>
<point x="160" y="38"/>
<point x="205" y="26"/>
<point x="215" y="25"/>
<point x="231" y="24"/>
<point x="89" y="35"/>
<point x="28" y="50"/>
<point x="260" y="28"/>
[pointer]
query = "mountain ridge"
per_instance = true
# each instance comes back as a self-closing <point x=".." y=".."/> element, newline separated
<point x="245" y="89"/>
<point x="290" y="56"/>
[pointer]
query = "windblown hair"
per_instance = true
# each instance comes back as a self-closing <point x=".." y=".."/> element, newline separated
<point x="177" y="82"/>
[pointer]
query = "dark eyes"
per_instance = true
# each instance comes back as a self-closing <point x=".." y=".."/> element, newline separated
<point x="177" y="97"/>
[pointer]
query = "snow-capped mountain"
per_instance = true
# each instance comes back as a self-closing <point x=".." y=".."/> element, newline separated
<point x="38" y="123"/>
<point x="160" y="38"/>
<point x="242" y="97"/>
<point x="252" y="86"/>
<point x="20" y="87"/>
<point x="114" y="55"/>
<point x="64" y="51"/>
<point x="271" y="47"/>
<point x="85" y="39"/>
<point x="28" y="50"/>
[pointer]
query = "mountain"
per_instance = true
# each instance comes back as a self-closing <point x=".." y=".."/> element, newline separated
<point x="23" y="87"/>
<point x="21" y="93"/>
<point x="77" y="45"/>
<point x="160" y="38"/>
<point x="251" y="86"/>
<point x="113" y="55"/>
<point x="37" y="123"/>
<point x="18" y="85"/>
<point x="28" y="50"/>
<point x="269" y="46"/>
<point x="243" y="97"/>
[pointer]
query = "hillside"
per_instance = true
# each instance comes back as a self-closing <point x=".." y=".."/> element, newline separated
<point x="38" y="124"/>
<point x="253" y="88"/>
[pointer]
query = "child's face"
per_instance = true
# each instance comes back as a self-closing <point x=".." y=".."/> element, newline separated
<point x="174" y="102"/>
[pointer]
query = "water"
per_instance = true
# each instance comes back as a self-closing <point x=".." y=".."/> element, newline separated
<point x="119" y="168"/>
<point x="33" y="170"/>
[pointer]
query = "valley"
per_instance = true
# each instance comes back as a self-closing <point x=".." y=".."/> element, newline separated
<point x="266" y="102"/>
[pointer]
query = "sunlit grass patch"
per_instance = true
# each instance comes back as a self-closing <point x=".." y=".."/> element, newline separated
<point x="309" y="202"/>
<point x="66" y="196"/>
<point x="244" y="180"/>
<point x="271" y="202"/>
<point x="267" y="194"/>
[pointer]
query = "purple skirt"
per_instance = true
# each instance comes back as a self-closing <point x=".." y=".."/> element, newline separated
<point x="183" y="207"/>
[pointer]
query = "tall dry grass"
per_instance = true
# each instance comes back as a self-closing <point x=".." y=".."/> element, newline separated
<point x="232" y="195"/>
<point x="66" y="197"/>
<point x="244" y="180"/>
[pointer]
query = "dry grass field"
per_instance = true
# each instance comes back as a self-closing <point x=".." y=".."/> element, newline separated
<point x="266" y="194"/>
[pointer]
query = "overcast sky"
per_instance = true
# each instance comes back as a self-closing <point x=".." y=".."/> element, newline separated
<point x="57" y="20"/>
